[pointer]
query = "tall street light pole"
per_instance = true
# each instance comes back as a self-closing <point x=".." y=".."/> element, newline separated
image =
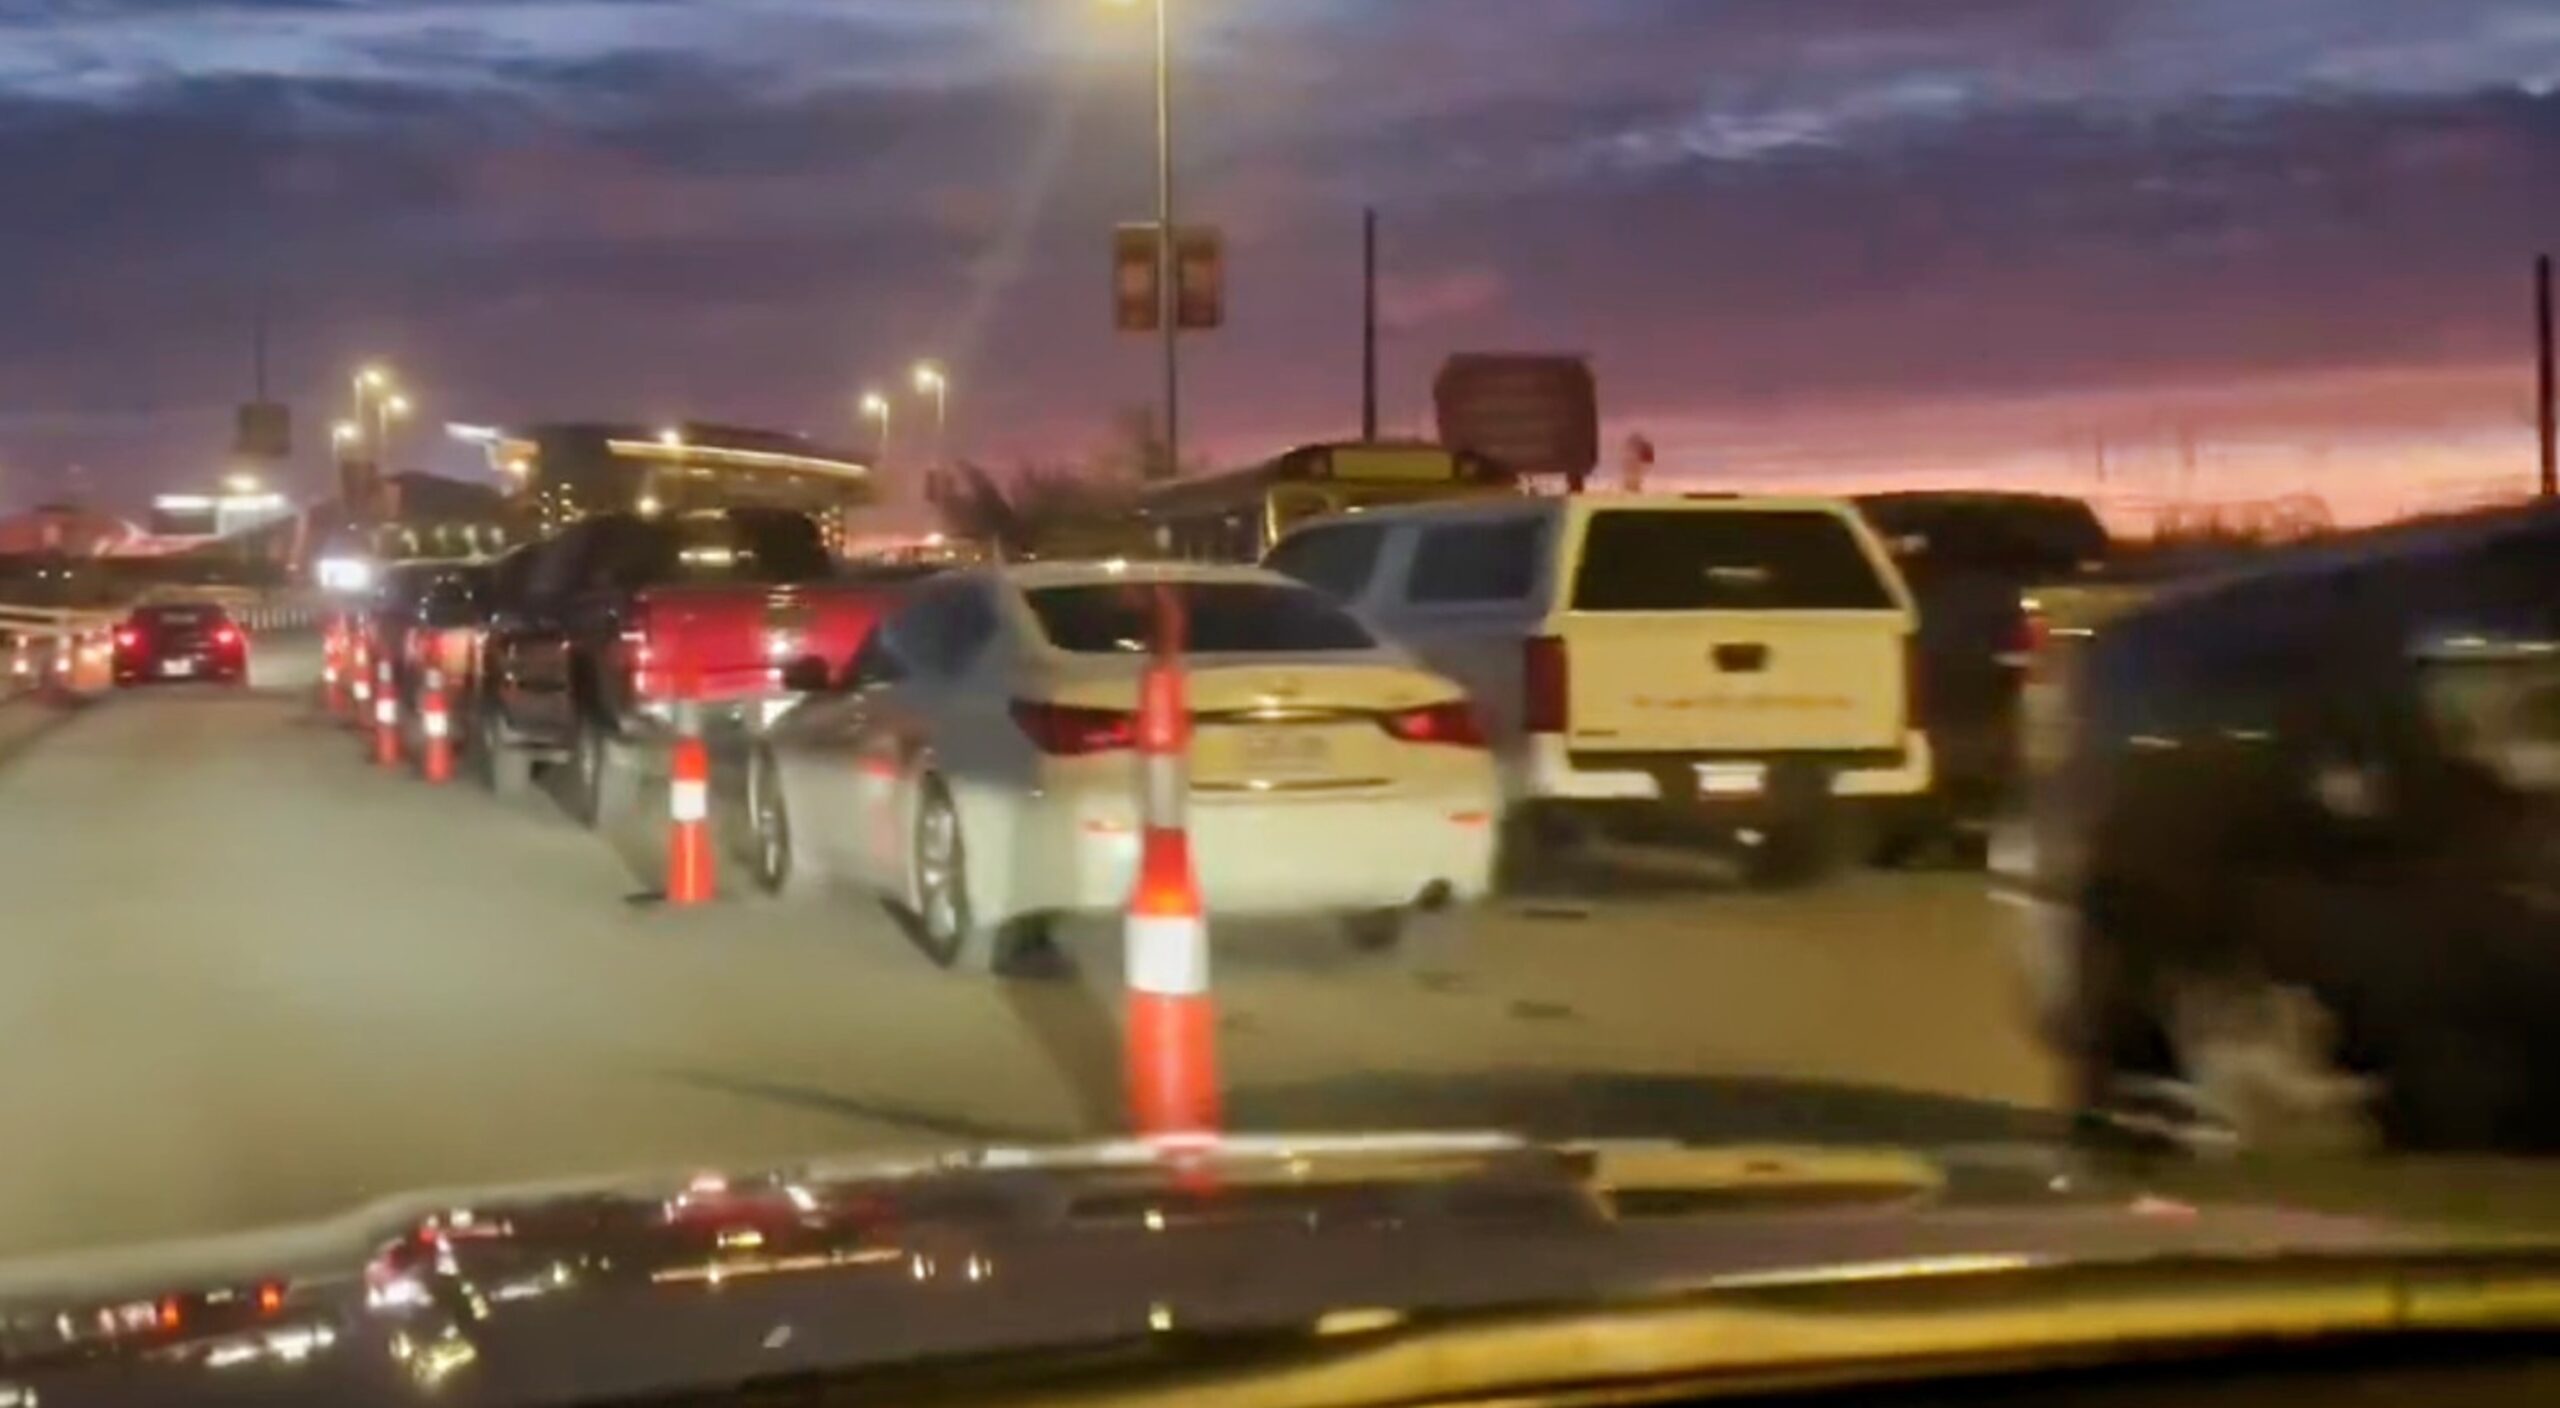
<point x="931" y="380"/>
<point x="1168" y="303"/>
<point x="876" y="407"/>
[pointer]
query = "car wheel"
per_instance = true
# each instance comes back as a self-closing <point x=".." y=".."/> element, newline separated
<point x="1534" y="850"/>
<point x="948" y="929"/>
<point x="1791" y="854"/>
<point x="768" y="849"/>
<point x="590" y="762"/>
<point x="1375" y="930"/>
<point x="502" y="769"/>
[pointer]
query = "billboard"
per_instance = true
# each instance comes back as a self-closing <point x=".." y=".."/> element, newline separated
<point x="1530" y="412"/>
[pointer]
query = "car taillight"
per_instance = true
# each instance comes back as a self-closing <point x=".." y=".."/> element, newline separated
<point x="226" y="636"/>
<point x="1544" y="677"/>
<point x="1452" y="723"/>
<point x="127" y="638"/>
<point x="1071" y="731"/>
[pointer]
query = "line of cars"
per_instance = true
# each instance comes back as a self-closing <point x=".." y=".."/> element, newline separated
<point x="1391" y="707"/>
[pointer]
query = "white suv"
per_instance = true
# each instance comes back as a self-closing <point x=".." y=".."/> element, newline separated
<point x="1655" y="667"/>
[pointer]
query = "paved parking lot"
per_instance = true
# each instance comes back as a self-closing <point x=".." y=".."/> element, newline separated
<point x="253" y="978"/>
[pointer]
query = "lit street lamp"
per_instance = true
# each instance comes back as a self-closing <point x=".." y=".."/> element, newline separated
<point x="1168" y="305"/>
<point x="930" y="381"/>
<point x="876" y="407"/>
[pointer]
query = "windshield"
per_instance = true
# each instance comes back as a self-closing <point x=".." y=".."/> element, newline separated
<point x="1966" y="586"/>
<point x="1219" y="618"/>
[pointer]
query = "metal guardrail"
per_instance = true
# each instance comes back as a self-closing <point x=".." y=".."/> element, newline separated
<point x="71" y="649"/>
<point x="55" y="647"/>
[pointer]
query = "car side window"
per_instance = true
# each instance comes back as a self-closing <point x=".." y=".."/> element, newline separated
<point x="555" y="568"/>
<point x="1337" y="560"/>
<point x="628" y="553"/>
<point x="877" y="661"/>
<point x="1475" y="562"/>
<point x="967" y="622"/>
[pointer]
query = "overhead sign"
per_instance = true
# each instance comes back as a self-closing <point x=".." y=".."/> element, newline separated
<point x="1199" y="278"/>
<point x="1531" y="413"/>
<point x="263" y="430"/>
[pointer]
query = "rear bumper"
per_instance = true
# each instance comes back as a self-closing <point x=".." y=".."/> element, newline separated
<point x="1269" y="856"/>
<point x="1548" y="772"/>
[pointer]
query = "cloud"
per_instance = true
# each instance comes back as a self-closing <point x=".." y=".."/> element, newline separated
<point x="1410" y="301"/>
<point x="744" y="207"/>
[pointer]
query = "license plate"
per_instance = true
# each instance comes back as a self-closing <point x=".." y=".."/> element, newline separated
<point x="177" y="667"/>
<point x="1284" y="752"/>
<point x="1732" y="779"/>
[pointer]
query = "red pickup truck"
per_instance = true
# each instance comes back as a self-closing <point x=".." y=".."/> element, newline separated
<point x="622" y="616"/>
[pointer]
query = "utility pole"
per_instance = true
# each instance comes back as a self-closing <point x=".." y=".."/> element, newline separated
<point x="2543" y="403"/>
<point x="1369" y="323"/>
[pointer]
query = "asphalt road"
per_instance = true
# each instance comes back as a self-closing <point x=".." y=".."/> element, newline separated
<point x="249" y="978"/>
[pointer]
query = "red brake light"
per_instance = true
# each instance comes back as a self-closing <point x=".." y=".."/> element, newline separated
<point x="127" y="638"/>
<point x="226" y="636"/>
<point x="1452" y="723"/>
<point x="1543" y="677"/>
<point x="1069" y="731"/>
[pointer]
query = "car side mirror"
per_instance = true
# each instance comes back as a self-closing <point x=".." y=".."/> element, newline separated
<point x="807" y="675"/>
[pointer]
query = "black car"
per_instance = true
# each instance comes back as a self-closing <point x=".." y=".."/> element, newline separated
<point x="180" y="641"/>
<point x="2304" y="848"/>
<point x="1968" y="557"/>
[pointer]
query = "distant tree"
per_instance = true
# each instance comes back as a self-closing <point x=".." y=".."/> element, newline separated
<point x="1043" y="511"/>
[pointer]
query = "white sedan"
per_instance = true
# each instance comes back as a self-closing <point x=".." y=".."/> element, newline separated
<point x="975" y="764"/>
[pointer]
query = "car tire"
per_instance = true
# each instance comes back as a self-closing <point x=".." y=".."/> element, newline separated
<point x="1376" y="930"/>
<point x="2184" y="1058"/>
<point x="945" y="924"/>
<point x="1793" y="854"/>
<point x="766" y="849"/>
<point x="498" y="765"/>
<point x="1534" y="850"/>
<point x="589" y="774"/>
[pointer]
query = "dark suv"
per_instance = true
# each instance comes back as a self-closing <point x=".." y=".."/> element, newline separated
<point x="2302" y="852"/>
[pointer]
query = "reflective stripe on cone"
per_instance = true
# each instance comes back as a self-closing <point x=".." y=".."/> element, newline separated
<point x="1170" y="1044"/>
<point x="689" y="879"/>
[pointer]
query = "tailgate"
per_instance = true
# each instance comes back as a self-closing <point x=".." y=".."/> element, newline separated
<point x="731" y="641"/>
<point x="1779" y="627"/>
<point x="1715" y="682"/>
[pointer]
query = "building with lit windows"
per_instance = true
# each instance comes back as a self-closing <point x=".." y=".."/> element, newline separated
<point x="562" y="472"/>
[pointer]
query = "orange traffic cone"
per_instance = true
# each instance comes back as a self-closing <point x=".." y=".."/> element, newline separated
<point x="435" y="725"/>
<point x="386" y="717"/>
<point x="1171" y="1043"/>
<point x="333" y="673"/>
<point x="360" y="680"/>
<point x="689" y="879"/>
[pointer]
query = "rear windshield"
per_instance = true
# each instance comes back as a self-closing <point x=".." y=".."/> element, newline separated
<point x="742" y="545"/>
<point x="1219" y="618"/>
<point x="2038" y="536"/>
<point x="198" y="616"/>
<point x="1757" y="560"/>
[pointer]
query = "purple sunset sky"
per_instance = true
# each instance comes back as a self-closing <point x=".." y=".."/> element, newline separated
<point x="1796" y="236"/>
